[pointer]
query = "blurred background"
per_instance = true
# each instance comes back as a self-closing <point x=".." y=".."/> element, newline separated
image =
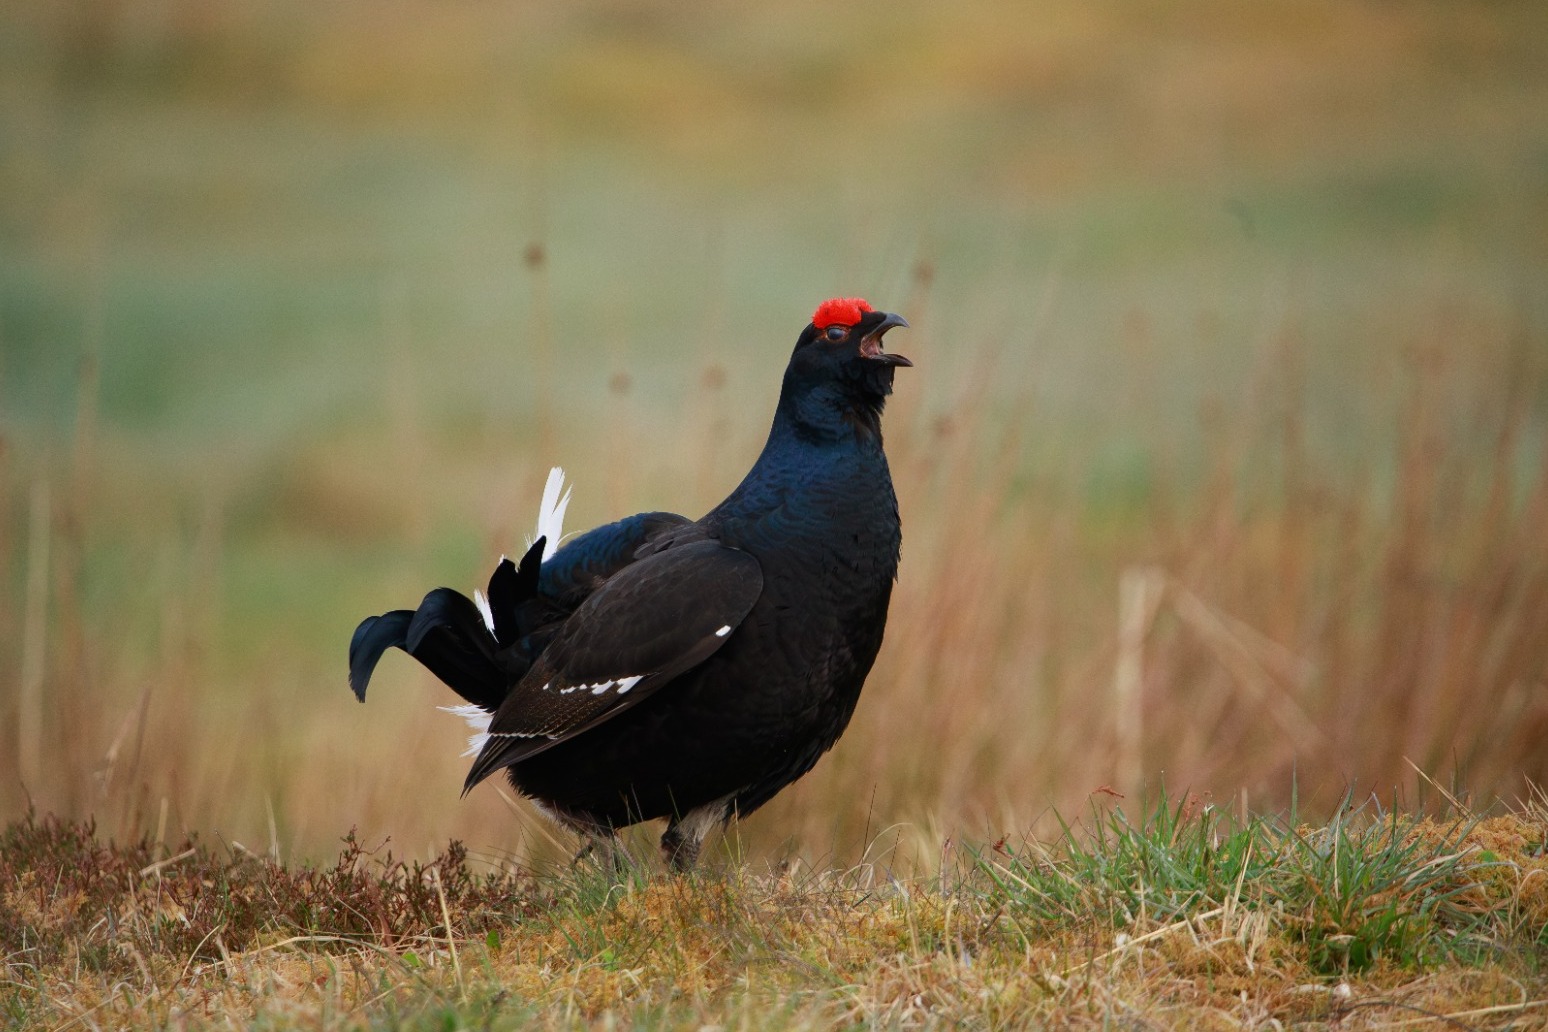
<point x="1223" y="466"/>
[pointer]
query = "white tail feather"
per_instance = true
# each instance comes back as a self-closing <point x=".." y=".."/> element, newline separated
<point x="476" y="718"/>
<point x="550" y="522"/>
<point x="550" y="525"/>
<point x="483" y="609"/>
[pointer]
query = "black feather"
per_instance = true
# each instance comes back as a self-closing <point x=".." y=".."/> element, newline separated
<point x="510" y="588"/>
<point x="448" y="635"/>
<point x="649" y="623"/>
<point x="374" y="636"/>
<point x="744" y="637"/>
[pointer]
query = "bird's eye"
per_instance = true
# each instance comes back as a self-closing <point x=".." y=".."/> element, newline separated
<point x="836" y="332"/>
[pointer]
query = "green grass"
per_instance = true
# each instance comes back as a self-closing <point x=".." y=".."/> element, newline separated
<point x="1354" y="891"/>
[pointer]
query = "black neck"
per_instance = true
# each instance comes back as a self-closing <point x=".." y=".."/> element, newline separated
<point x="834" y="410"/>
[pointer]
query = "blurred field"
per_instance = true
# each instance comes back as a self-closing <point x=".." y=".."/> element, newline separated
<point x="1242" y="307"/>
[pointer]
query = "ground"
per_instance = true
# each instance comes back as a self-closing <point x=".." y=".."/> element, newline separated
<point x="1185" y="920"/>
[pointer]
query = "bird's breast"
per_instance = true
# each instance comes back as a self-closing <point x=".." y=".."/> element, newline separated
<point x="828" y="543"/>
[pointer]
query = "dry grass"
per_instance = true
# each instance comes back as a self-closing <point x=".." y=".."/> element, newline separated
<point x="1184" y="921"/>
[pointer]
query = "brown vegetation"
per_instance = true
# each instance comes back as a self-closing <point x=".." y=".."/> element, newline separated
<point x="1184" y="921"/>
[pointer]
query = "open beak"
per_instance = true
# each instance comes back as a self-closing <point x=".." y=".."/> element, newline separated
<point x="871" y="343"/>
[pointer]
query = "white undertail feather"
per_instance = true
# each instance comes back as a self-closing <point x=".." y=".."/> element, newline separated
<point x="550" y="522"/>
<point x="550" y="525"/>
<point x="478" y="719"/>
<point x="484" y="610"/>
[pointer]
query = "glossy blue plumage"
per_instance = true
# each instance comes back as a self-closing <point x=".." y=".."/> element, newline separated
<point x="661" y="667"/>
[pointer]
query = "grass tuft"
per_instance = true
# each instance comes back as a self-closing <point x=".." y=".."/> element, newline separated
<point x="1351" y="892"/>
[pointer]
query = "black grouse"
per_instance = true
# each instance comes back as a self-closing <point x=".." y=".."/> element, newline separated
<point x="666" y="667"/>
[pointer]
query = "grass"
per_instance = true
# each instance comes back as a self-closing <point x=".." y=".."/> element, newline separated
<point x="1183" y="917"/>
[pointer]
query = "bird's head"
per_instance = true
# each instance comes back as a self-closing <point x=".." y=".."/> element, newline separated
<point x="839" y="364"/>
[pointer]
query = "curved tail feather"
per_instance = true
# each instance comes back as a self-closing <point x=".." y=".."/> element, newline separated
<point x="480" y="649"/>
<point x="447" y="635"/>
<point x="374" y="636"/>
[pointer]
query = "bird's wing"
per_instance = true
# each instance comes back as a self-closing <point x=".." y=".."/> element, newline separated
<point x="651" y="621"/>
<point x="574" y="571"/>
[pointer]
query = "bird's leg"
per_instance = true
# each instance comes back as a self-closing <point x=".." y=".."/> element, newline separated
<point x="685" y="834"/>
<point x="608" y="853"/>
<point x="591" y="845"/>
<point x="679" y="849"/>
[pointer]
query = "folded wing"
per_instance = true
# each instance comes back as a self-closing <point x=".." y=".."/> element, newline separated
<point x="648" y="623"/>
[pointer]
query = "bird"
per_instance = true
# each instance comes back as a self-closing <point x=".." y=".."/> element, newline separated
<point x="662" y="667"/>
